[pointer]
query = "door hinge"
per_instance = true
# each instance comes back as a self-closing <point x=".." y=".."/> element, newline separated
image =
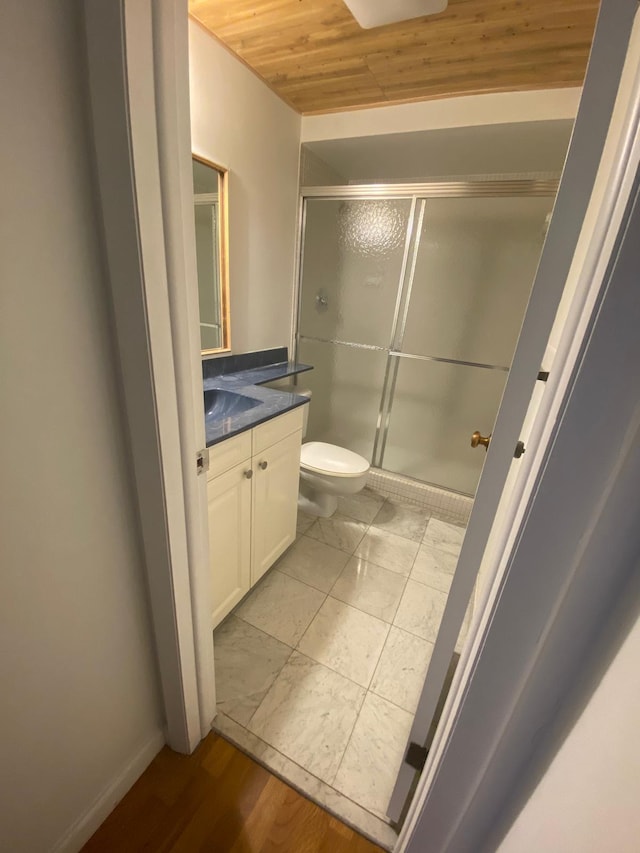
<point x="543" y="375"/>
<point x="202" y="460"/>
<point x="520" y="448"/>
<point x="416" y="756"/>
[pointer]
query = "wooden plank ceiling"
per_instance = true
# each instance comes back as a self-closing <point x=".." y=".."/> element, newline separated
<point x="316" y="57"/>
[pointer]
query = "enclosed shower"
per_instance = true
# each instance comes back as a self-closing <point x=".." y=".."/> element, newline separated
<point x="411" y="299"/>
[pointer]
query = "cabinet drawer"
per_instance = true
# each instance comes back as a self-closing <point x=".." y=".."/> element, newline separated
<point x="229" y="453"/>
<point x="276" y="429"/>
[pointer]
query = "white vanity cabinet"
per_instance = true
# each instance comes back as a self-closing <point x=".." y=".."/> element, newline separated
<point x="277" y="471"/>
<point x="229" y="501"/>
<point x="252" y="494"/>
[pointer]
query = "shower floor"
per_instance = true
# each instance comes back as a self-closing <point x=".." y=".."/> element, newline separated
<point x="320" y="668"/>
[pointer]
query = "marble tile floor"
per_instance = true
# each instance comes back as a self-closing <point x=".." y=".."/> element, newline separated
<point x="319" y="669"/>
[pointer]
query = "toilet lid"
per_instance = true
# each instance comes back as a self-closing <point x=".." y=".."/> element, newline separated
<point x="331" y="459"/>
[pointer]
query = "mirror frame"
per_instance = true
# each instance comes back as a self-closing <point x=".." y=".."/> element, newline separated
<point x="223" y="253"/>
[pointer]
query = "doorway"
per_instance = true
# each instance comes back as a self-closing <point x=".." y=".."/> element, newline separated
<point x="503" y="437"/>
<point x="319" y="670"/>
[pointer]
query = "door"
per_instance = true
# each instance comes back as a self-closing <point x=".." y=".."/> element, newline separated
<point x="275" y="502"/>
<point x="520" y="400"/>
<point x="229" y="513"/>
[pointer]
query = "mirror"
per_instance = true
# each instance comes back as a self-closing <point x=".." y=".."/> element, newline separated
<point x="212" y="254"/>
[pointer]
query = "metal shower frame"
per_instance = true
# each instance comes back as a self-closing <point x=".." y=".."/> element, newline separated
<point x="419" y="193"/>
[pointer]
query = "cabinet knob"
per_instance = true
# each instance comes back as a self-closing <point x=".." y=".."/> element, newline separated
<point x="248" y="474"/>
<point x="264" y="464"/>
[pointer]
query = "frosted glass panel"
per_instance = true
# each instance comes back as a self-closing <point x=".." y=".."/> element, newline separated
<point x="476" y="263"/>
<point x="346" y="386"/>
<point x="352" y="260"/>
<point x="436" y="407"/>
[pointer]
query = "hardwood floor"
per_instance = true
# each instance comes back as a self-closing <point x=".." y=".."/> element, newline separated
<point x="220" y="801"/>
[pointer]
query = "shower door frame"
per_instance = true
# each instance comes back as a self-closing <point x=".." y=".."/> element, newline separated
<point x="419" y="193"/>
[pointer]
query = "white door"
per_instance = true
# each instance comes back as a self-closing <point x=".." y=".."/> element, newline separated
<point x="501" y="480"/>
<point x="275" y="496"/>
<point x="229" y="512"/>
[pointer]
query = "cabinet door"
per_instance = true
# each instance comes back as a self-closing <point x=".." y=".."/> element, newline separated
<point x="229" y="499"/>
<point x="275" y="502"/>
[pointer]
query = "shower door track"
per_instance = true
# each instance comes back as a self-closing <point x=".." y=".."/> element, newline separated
<point x="418" y="193"/>
<point x="437" y="189"/>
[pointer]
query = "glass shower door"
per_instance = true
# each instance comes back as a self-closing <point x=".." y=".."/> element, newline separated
<point x="471" y="273"/>
<point x="354" y="255"/>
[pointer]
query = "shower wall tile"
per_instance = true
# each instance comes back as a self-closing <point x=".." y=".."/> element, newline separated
<point x="439" y="503"/>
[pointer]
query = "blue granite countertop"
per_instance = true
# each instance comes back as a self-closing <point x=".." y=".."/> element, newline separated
<point x="272" y="402"/>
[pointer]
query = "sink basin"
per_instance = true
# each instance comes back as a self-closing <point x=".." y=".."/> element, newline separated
<point x="219" y="403"/>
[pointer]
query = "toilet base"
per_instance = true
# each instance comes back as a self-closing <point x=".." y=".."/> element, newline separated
<point x="314" y="502"/>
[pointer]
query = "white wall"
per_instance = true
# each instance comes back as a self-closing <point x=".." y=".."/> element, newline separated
<point x="513" y="149"/>
<point x="316" y="172"/>
<point x="237" y="122"/>
<point x="588" y="799"/>
<point x="466" y="111"/>
<point x="80" y="710"/>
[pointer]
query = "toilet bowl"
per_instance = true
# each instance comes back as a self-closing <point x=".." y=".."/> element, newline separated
<point x="326" y="472"/>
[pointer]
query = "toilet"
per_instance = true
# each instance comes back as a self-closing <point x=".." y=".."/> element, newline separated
<point x="326" y="472"/>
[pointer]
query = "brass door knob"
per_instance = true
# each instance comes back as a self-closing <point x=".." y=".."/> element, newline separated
<point x="477" y="439"/>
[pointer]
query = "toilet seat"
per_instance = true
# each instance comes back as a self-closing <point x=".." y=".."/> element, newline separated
<point x="322" y="458"/>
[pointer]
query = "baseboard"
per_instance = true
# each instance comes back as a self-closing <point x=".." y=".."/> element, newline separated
<point x="83" y="828"/>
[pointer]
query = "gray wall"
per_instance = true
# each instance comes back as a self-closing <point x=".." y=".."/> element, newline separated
<point x="80" y="702"/>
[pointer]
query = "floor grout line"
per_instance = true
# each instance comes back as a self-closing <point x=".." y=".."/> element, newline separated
<point x="248" y="723"/>
<point x="364" y="691"/>
<point x="407" y="578"/>
<point x="369" y="811"/>
<point x="353" y="728"/>
<point x="311" y="621"/>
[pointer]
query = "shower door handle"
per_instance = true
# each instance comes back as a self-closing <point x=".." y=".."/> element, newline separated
<point x="477" y="439"/>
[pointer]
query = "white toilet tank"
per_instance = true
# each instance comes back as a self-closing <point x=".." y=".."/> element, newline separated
<point x="304" y="392"/>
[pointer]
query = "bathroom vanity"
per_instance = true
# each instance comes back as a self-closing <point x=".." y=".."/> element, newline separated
<point x="252" y="492"/>
<point x="254" y="435"/>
